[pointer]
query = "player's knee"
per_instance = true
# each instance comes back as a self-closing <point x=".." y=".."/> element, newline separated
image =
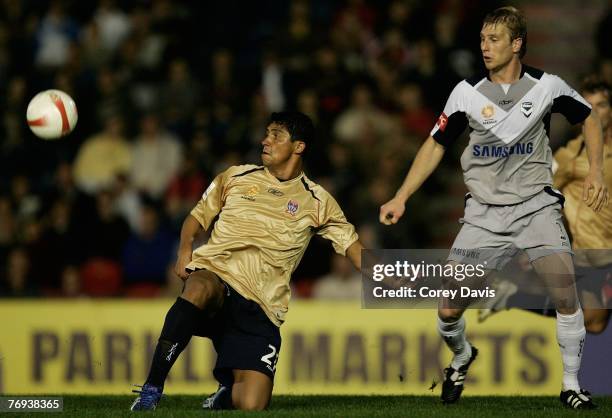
<point x="450" y="315"/>
<point x="596" y="325"/>
<point x="251" y="402"/>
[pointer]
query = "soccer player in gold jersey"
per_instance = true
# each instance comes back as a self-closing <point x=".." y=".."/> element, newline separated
<point x="237" y="285"/>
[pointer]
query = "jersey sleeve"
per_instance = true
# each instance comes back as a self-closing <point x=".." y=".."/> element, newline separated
<point x="568" y="102"/>
<point x="453" y="120"/>
<point x="334" y="226"/>
<point x="211" y="202"/>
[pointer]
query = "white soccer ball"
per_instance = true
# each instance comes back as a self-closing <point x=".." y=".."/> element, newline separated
<point x="52" y="114"/>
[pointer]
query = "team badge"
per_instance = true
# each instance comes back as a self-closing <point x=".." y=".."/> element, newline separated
<point x="292" y="207"/>
<point x="527" y="108"/>
<point x="488" y="111"/>
<point x="442" y="121"/>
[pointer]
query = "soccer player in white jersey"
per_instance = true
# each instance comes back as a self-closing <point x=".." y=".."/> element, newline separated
<point x="237" y="284"/>
<point x="511" y="205"/>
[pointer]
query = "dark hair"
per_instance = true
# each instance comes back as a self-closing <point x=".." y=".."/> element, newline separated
<point x="592" y="84"/>
<point x="299" y="126"/>
<point x="514" y="20"/>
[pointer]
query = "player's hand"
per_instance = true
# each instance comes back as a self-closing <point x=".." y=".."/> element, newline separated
<point x="184" y="258"/>
<point x="595" y="191"/>
<point x="391" y="211"/>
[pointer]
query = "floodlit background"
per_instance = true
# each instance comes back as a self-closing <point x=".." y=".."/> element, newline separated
<point x="169" y="94"/>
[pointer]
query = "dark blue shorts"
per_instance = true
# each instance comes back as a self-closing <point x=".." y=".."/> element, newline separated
<point x="243" y="336"/>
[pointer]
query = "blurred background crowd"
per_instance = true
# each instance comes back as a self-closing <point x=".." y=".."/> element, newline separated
<point x="170" y="93"/>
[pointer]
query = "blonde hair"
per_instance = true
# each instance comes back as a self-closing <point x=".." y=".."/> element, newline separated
<point x="514" y="20"/>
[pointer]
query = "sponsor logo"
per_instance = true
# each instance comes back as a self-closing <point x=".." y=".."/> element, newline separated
<point x="488" y="111"/>
<point x="292" y="207"/>
<point x="504" y="102"/>
<point x="526" y="108"/>
<point x="250" y="194"/>
<point x="442" y="121"/>
<point x="275" y="192"/>
<point x="480" y="150"/>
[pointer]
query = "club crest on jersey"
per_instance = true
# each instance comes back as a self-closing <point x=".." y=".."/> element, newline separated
<point x="292" y="207"/>
<point x="526" y="108"/>
<point x="442" y="121"/>
<point x="250" y="194"/>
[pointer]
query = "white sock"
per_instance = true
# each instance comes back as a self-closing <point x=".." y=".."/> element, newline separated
<point x="570" y="336"/>
<point x="453" y="334"/>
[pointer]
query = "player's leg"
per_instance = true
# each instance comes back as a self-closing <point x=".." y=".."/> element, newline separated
<point x="451" y="326"/>
<point x="596" y="317"/>
<point x="203" y="294"/>
<point x="251" y="391"/>
<point x="590" y="282"/>
<point x="247" y="347"/>
<point x="557" y="272"/>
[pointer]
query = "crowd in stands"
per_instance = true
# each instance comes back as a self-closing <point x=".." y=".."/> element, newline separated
<point x="170" y="93"/>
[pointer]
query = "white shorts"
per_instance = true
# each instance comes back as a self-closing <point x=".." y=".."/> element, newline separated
<point x="493" y="235"/>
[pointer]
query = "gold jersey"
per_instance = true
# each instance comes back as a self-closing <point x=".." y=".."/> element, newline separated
<point x="263" y="228"/>
<point x="590" y="230"/>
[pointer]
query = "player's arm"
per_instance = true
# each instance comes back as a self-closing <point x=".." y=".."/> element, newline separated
<point x="576" y="109"/>
<point x="201" y="217"/>
<point x="450" y="125"/>
<point x="335" y="228"/>
<point x="190" y="229"/>
<point x="427" y="159"/>
<point x="353" y="252"/>
<point x="595" y="191"/>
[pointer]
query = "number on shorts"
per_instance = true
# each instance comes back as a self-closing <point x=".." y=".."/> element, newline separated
<point x="271" y="358"/>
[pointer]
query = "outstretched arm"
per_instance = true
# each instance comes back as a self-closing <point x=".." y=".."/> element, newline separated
<point x="191" y="228"/>
<point x="427" y="159"/>
<point x="353" y="252"/>
<point x="595" y="192"/>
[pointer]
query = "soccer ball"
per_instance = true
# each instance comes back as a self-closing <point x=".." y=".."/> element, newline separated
<point x="52" y="114"/>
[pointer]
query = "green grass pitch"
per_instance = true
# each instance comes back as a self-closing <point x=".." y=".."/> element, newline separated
<point x="339" y="406"/>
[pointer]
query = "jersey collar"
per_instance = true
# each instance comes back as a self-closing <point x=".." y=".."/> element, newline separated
<point x="277" y="181"/>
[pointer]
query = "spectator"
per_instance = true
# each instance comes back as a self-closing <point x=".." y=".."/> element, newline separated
<point x="110" y="230"/>
<point x="156" y="157"/>
<point x="342" y="283"/>
<point x="17" y="278"/>
<point x="148" y="252"/>
<point x="103" y="157"/>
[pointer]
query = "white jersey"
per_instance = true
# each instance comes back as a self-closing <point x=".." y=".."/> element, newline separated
<point x="508" y="159"/>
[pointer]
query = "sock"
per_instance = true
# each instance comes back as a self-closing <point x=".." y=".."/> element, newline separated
<point x="453" y="334"/>
<point x="570" y="336"/>
<point x="179" y="326"/>
<point x="538" y="304"/>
